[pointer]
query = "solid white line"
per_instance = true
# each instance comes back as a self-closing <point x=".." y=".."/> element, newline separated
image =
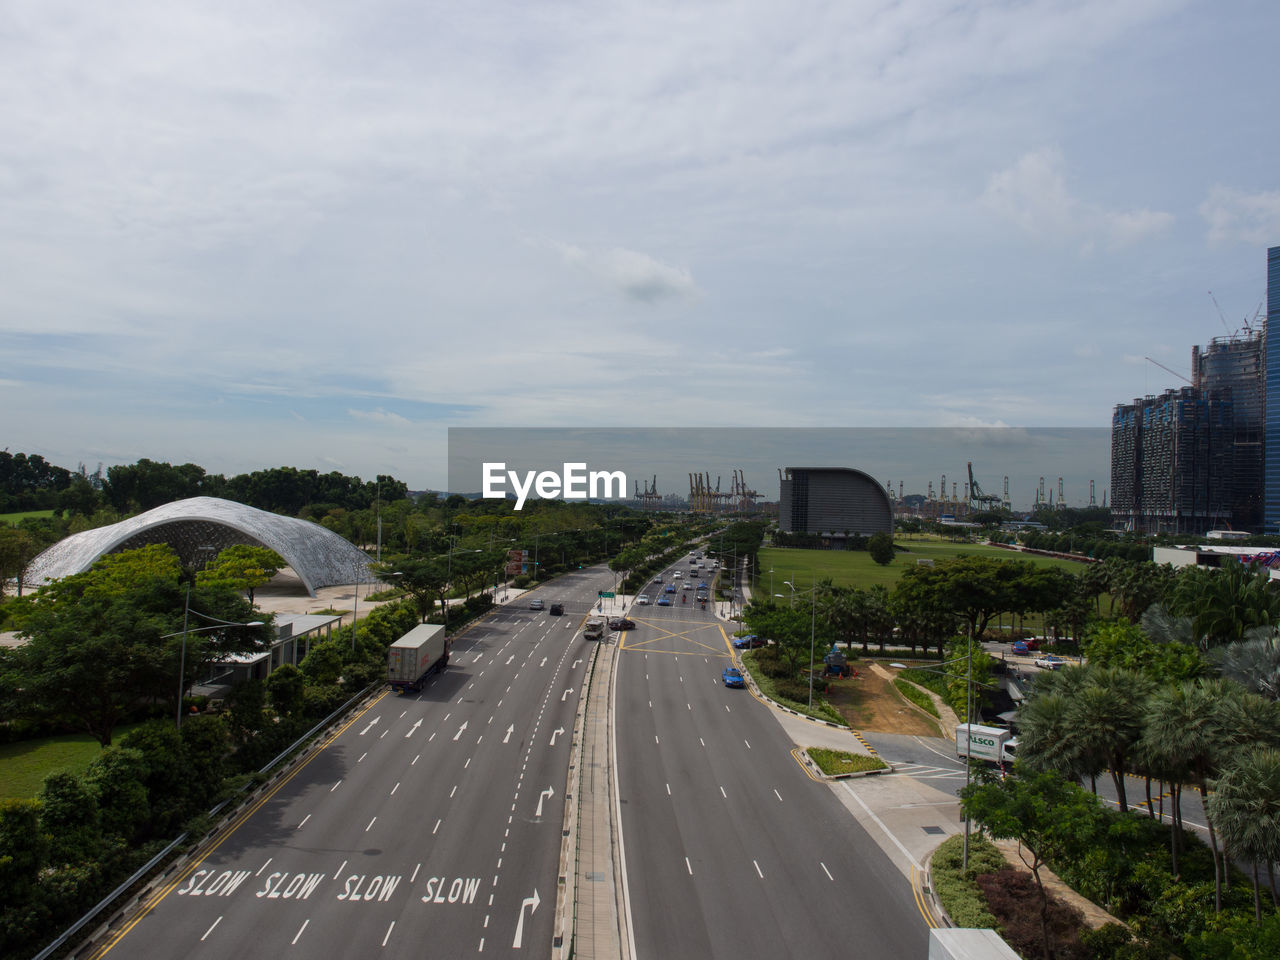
<point x="210" y="930"/>
<point x="896" y="842"/>
<point x="388" y="936"/>
<point x="300" y="929"/>
<point x="758" y="870"/>
<point x="304" y="820"/>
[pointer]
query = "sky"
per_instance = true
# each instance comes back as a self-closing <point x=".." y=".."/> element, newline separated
<point x="320" y="234"/>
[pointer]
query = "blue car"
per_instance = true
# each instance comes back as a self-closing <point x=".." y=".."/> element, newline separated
<point x="733" y="677"/>
<point x="664" y="601"/>
<point x="671" y="588"/>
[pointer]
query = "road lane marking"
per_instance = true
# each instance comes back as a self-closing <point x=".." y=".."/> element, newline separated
<point x="300" y="929"/>
<point x="826" y="871"/>
<point x="748" y="743"/>
<point x="401" y="717"/>
<point x="688" y="866"/>
<point x="388" y="936"/>
<point x="337" y="873"/>
<point x="415" y="873"/>
<point x="436" y="827"/>
<point x="777" y="794"/>
<point x="415" y="760"/>
<point x="371" y="823"/>
<point x="210" y="930"/>
<point x="395" y="788"/>
<point x="363" y="755"/>
<point x="263" y="867"/>
<point x="304" y="820"/>
<point x="335" y="786"/>
<point x="668" y="789"/>
<point x="453" y="791"/>
<point x="758" y="870"/>
<point x="723" y="794"/>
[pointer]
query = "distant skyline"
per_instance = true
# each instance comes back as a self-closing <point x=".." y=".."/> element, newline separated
<point x="321" y="234"/>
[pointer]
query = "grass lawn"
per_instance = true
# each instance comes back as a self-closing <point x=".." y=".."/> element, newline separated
<point x="25" y="764"/>
<point x="855" y="568"/>
<point x="12" y="519"/>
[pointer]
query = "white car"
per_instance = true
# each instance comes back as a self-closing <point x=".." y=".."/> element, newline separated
<point x="1050" y="662"/>
<point x="642" y="600"/>
<point x="676" y="575"/>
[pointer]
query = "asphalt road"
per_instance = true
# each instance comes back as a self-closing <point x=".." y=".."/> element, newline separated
<point x="731" y="849"/>
<point x="429" y="825"/>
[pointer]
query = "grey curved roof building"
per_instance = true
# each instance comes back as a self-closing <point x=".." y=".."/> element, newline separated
<point x="198" y="529"/>
<point x="832" y="502"/>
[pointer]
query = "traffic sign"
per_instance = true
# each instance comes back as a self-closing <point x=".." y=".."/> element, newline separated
<point x="607" y="594"/>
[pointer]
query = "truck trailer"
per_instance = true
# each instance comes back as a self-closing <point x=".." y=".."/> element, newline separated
<point x="594" y="628"/>
<point x="992" y="744"/>
<point x="411" y="658"/>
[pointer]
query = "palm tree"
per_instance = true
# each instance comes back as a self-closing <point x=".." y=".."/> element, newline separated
<point x="1107" y="715"/>
<point x="1254" y="662"/>
<point x="1047" y="738"/>
<point x="1246" y="806"/>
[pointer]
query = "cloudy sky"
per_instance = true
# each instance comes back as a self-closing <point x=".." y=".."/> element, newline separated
<point x="319" y="234"/>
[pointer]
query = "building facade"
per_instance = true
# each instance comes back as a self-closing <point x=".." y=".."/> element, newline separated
<point x="1271" y="440"/>
<point x="832" y="502"/>
<point x="1231" y="368"/>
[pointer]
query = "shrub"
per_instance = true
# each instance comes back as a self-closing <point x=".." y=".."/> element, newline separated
<point x="916" y="696"/>
<point x="520" y="581"/>
<point x="958" y="894"/>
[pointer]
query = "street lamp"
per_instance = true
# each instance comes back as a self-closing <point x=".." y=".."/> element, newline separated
<point x="182" y="657"/>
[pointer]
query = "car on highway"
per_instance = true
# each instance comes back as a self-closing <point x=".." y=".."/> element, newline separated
<point x="676" y="575"/>
<point x="688" y="585"/>
<point x="733" y="677"/>
<point x="658" y="578"/>
<point x="749" y="642"/>
<point x="621" y="623"/>
<point x="557" y="609"/>
<point x="1050" y="662"/>
<point x="642" y="600"/>
<point x="535" y="604"/>
<point x="671" y="588"/>
<point x="664" y="601"/>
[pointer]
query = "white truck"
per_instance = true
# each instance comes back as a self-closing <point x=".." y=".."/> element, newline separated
<point x="594" y="628"/>
<point x="992" y="744"/>
<point x="411" y="658"/>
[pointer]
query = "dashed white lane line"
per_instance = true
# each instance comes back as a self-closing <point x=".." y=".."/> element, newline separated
<point x="304" y="820"/>
<point x="210" y="930"/>
<point x="777" y="794"/>
<point x="826" y="871"/>
<point x="758" y="870"/>
<point x="688" y="866"/>
<point x="436" y="827"/>
<point x="263" y="867"/>
<point x="395" y="788"/>
<point x="723" y="794"/>
<point x="371" y="823"/>
<point x="297" y="935"/>
<point x="668" y="793"/>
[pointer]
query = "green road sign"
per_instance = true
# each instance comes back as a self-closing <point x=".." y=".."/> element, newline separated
<point x="606" y="594"/>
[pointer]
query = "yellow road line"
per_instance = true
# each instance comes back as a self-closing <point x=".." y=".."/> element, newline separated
<point x="159" y="895"/>
<point x="798" y="757"/>
<point x="922" y="899"/>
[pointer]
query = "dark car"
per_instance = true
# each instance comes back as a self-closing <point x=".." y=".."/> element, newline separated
<point x="621" y="623"/>
<point x="671" y="588"/>
<point x="749" y="642"/>
<point x="557" y="609"/>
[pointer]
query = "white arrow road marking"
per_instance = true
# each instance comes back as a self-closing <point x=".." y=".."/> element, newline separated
<point x="543" y="663"/>
<point x="413" y="730"/>
<point x="510" y="658"/>
<point x="509" y="730"/>
<point x="565" y="696"/>
<point x="544" y="795"/>
<point x="558" y="731"/>
<point x="532" y="904"/>
<point x="370" y="726"/>
<point x="460" y="729"/>
<point x="575" y="663"/>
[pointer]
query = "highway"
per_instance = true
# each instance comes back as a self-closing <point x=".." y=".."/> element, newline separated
<point x="731" y="849"/>
<point x="428" y="824"/>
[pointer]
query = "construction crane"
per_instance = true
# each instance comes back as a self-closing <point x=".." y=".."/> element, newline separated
<point x="1167" y="370"/>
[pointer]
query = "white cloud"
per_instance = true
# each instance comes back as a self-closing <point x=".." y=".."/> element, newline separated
<point x="380" y="416"/>
<point x="636" y="275"/>
<point x="1033" y="194"/>
<point x="1245" y="218"/>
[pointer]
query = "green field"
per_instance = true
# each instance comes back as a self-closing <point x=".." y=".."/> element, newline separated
<point x="12" y="519"/>
<point x="855" y="568"/>
<point x="25" y="764"/>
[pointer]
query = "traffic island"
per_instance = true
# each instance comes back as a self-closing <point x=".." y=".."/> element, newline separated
<point x="841" y="764"/>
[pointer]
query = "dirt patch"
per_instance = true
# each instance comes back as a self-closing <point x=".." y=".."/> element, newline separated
<point x="869" y="702"/>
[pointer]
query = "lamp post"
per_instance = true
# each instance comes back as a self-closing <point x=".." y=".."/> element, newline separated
<point x="813" y="623"/>
<point x="182" y="656"/>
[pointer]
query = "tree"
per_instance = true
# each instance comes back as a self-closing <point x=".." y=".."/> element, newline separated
<point x="286" y="687"/>
<point x="1245" y="805"/>
<point x="787" y="627"/>
<point x="17" y="549"/>
<point x="423" y="578"/>
<point x="880" y="546"/>
<point x="1107" y="714"/>
<point x="242" y="567"/>
<point x="69" y="818"/>
<point x="1225" y="603"/>
<point x="1254" y="662"/>
<point x="972" y="587"/>
<point x="1051" y="819"/>
<point x="116" y="777"/>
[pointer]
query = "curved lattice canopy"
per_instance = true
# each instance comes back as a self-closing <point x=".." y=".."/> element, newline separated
<point x="198" y="529"/>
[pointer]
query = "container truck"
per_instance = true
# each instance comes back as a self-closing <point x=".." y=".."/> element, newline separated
<point x="992" y="744"/>
<point x="594" y="629"/>
<point x="411" y="658"/>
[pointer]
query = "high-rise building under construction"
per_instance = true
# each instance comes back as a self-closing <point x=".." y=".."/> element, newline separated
<point x="1231" y="368"/>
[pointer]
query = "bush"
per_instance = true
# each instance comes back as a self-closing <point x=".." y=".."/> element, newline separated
<point x="479" y="603"/>
<point x="916" y="696"/>
<point x="836" y="762"/>
<point x="957" y="892"/>
<point x="520" y="581"/>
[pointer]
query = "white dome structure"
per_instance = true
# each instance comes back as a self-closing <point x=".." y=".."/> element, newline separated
<point x="198" y="529"/>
